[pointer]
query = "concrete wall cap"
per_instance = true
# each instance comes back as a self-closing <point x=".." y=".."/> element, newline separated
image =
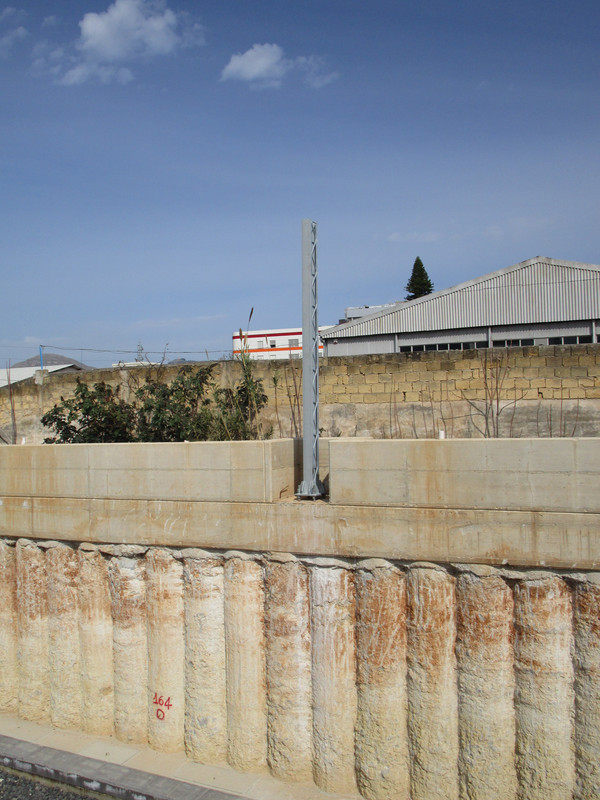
<point x="280" y="558"/>
<point x="376" y="563"/>
<point x="122" y="550"/>
<point x="479" y="570"/>
<point x="336" y="563"/>
<point x="242" y="555"/>
<point x="198" y="553"/>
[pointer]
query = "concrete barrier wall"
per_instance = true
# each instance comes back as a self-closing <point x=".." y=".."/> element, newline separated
<point x="560" y="475"/>
<point x="390" y="679"/>
<point x="258" y="471"/>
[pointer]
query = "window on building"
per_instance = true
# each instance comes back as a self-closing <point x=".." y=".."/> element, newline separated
<point x="481" y="344"/>
<point x="293" y="342"/>
<point x="272" y="343"/>
<point x="295" y="355"/>
<point x="526" y="342"/>
<point x="418" y="348"/>
<point x="405" y="348"/>
<point x="455" y="345"/>
<point x="260" y="343"/>
<point x="431" y="347"/>
<point x="585" y="340"/>
<point x="570" y="340"/>
<point x="442" y="346"/>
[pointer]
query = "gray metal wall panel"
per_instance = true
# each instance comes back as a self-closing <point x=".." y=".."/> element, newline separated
<point x="535" y="292"/>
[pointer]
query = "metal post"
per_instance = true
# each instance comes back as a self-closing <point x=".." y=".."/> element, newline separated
<point x="311" y="486"/>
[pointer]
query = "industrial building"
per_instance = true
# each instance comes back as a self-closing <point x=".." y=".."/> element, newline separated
<point x="536" y="302"/>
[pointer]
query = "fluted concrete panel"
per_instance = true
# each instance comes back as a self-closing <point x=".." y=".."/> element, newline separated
<point x="34" y="671"/>
<point x="382" y="761"/>
<point x="130" y="648"/>
<point x="586" y="614"/>
<point x="333" y="677"/>
<point x="431" y="684"/>
<point x="9" y="669"/>
<point x="484" y="650"/>
<point x="205" y="685"/>
<point x="96" y="643"/>
<point x="166" y="650"/>
<point x="288" y="661"/>
<point x="62" y="568"/>
<point x="246" y="671"/>
<point x="544" y="688"/>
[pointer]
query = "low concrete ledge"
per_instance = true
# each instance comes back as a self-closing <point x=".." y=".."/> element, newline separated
<point x="511" y="474"/>
<point x="523" y="538"/>
<point x="261" y="471"/>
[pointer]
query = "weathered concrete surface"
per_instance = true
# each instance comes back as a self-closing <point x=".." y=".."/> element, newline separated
<point x="9" y="667"/>
<point x="520" y="538"/>
<point x="288" y="663"/>
<point x="484" y="649"/>
<point x="96" y="643"/>
<point x="32" y="611"/>
<point x="544" y="697"/>
<point x="519" y="502"/>
<point x="333" y="676"/>
<point x="205" y="673"/>
<point x="246" y="670"/>
<point x="586" y="618"/>
<point x="166" y="650"/>
<point x="62" y="570"/>
<point x="382" y="759"/>
<point x="432" y="684"/>
<point x="130" y="648"/>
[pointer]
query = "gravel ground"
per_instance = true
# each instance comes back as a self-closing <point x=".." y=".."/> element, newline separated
<point x="14" y="786"/>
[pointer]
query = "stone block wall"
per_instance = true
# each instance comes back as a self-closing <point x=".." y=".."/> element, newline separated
<point x="543" y="391"/>
<point x="379" y="678"/>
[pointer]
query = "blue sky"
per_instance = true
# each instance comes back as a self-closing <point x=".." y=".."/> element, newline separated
<point x="157" y="158"/>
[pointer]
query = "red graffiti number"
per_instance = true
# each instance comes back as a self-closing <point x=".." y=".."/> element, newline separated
<point x="162" y="703"/>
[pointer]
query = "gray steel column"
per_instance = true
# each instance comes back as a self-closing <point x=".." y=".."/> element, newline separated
<point x="311" y="486"/>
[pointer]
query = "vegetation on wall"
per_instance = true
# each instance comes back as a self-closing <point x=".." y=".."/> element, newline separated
<point x="189" y="408"/>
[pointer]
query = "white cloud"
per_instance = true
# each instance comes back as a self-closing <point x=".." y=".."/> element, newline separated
<point x="49" y="22"/>
<point x="9" y="39"/>
<point x="264" y="66"/>
<point x="111" y="41"/>
<point x="7" y="12"/>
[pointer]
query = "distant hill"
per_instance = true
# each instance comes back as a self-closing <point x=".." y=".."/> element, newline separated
<point x="50" y="360"/>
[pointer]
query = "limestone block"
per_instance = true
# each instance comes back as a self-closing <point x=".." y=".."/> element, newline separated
<point x="382" y="760"/>
<point x="62" y="568"/>
<point x="288" y="664"/>
<point x="9" y="669"/>
<point x="586" y="615"/>
<point x="130" y="648"/>
<point x="245" y="660"/>
<point x="333" y="677"/>
<point x="205" y="701"/>
<point x="32" y="605"/>
<point x="166" y="650"/>
<point x="544" y="700"/>
<point x="96" y="643"/>
<point x="484" y="651"/>
<point x="432" y="684"/>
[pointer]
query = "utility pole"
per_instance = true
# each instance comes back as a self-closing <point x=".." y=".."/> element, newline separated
<point x="311" y="487"/>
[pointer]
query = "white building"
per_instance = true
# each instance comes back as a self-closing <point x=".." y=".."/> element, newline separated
<point x="279" y="343"/>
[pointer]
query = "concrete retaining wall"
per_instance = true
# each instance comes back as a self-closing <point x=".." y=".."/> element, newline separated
<point x="390" y="679"/>
<point x="430" y="631"/>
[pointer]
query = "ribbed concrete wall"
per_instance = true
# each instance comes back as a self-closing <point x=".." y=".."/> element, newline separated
<point x="389" y="679"/>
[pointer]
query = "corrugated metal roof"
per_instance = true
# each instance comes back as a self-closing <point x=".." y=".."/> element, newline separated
<point x="534" y="291"/>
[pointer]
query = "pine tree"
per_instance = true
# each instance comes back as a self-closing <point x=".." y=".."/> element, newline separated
<point x="420" y="283"/>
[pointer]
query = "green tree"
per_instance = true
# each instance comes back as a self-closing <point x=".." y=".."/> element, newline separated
<point x="190" y="408"/>
<point x="419" y="283"/>
<point x="176" y="412"/>
<point x="91" y="415"/>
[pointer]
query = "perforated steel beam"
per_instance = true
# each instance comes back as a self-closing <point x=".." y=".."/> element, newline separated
<point x="311" y="486"/>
